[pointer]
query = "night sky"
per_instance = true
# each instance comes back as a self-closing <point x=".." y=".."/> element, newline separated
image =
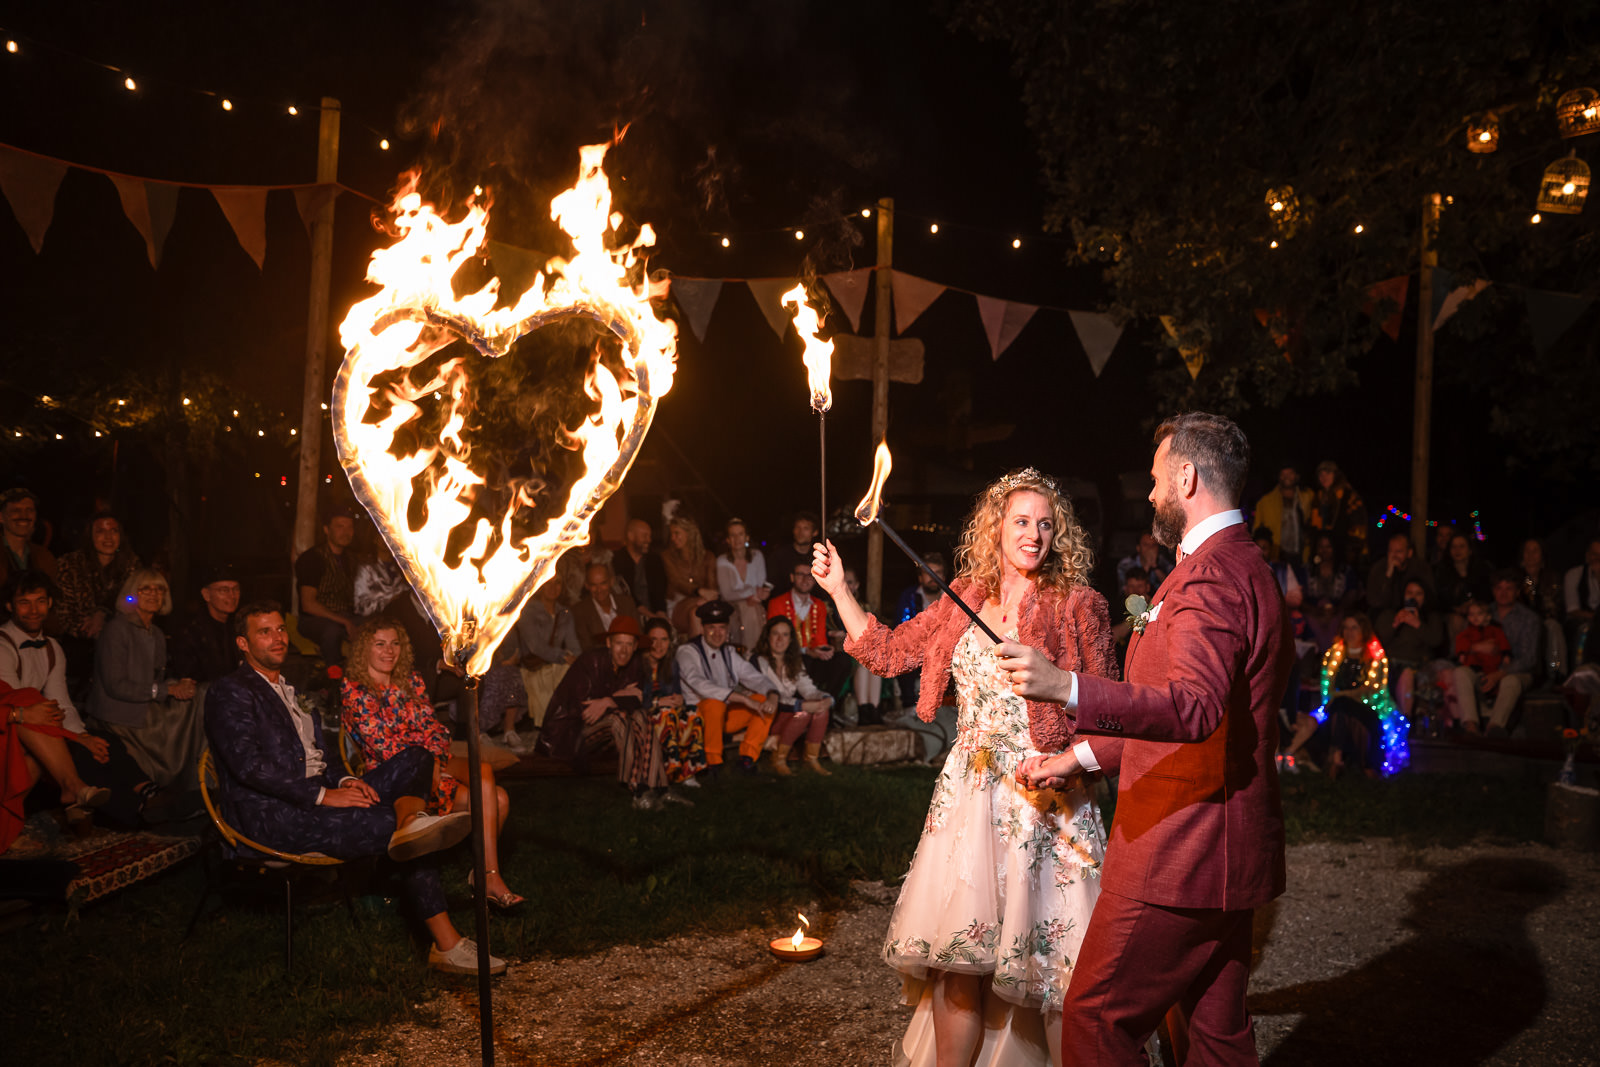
<point x="746" y="123"/>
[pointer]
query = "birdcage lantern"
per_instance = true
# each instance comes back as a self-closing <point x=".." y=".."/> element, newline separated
<point x="1483" y="135"/>
<point x="1565" y="187"/>
<point x="1578" y="112"/>
<point x="1282" y="206"/>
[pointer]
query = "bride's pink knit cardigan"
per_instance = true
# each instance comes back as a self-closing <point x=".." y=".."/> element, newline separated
<point x="1073" y="630"/>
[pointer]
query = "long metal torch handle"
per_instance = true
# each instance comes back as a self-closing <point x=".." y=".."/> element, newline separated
<point x="919" y="561"/>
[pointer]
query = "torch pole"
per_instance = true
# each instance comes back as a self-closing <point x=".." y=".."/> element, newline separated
<point x="919" y="561"/>
<point x="480" y="881"/>
<point x="822" y="466"/>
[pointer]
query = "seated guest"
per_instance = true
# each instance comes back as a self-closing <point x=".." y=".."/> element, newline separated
<point x="808" y="614"/>
<point x="326" y="576"/>
<point x="1498" y="652"/>
<point x="1539" y="587"/>
<point x="730" y="694"/>
<point x="805" y="707"/>
<point x="26" y="718"/>
<point x="1155" y="560"/>
<point x="1291" y="578"/>
<point x="89" y="579"/>
<point x="1356" y="726"/>
<point x="1338" y="511"/>
<point x="1386" y="580"/>
<point x="600" y="603"/>
<point x="639" y="571"/>
<point x="1581" y="592"/>
<point x="1331" y="588"/>
<point x="742" y="582"/>
<point x="157" y="718"/>
<point x="691" y="574"/>
<point x="914" y="600"/>
<point x="781" y="560"/>
<point x="19" y="515"/>
<point x="1439" y="550"/>
<point x="1285" y="511"/>
<point x="1413" y="636"/>
<point x="548" y="642"/>
<point x="1461" y="577"/>
<point x="204" y="649"/>
<point x="279" y="786"/>
<point x="679" y="729"/>
<point x="88" y="771"/>
<point x="384" y="706"/>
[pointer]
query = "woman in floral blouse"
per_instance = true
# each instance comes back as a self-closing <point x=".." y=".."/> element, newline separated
<point x="385" y="708"/>
<point x="997" y="900"/>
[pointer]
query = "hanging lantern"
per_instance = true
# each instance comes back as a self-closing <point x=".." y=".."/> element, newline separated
<point x="1578" y="112"/>
<point x="1282" y="205"/>
<point x="1483" y="135"/>
<point x="1565" y="186"/>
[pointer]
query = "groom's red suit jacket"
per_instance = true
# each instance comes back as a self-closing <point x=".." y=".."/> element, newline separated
<point x="1194" y="729"/>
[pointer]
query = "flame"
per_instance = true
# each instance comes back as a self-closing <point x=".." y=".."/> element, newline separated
<point x="799" y="935"/>
<point x="474" y="597"/>
<point x="867" y="510"/>
<point x="819" y="353"/>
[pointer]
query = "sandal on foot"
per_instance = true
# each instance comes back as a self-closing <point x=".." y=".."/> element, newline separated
<point x="505" y="901"/>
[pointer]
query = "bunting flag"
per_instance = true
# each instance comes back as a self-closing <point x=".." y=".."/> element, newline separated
<point x="912" y="295"/>
<point x="517" y="268"/>
<point x="309" y="200"/>
<point x="1098" y="334"/>
<point x="849" y="289"/>
<point x="1002" y="321"/>
<point x="246" y="211"/>
<point x="1453" y="299"/>
<point x="1552" y="314"/>
<point x="30" y="183"/>
<point x="1194" y="357"/>
<point x="150" y="206"/>
<point x="696" y="298"/>
<point x="768" y="293"/>
<point x="1391" y="292"/>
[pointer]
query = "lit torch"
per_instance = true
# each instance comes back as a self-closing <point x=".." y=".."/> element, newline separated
<point x="870" y="511"/>
<point x="819" y="365"/>
<point x="450" y="530"/>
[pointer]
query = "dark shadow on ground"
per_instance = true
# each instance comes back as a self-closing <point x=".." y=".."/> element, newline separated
<point x="1467" y="982"/>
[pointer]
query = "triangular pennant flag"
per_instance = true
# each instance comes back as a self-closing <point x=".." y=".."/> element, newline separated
<point x="696" y="298"/>
<point x="769" y="295"/>
<point x="1002" y="321"/>
<point x="1458" y="296"/>
<point x="912" y="295"/>
<point x="1098" y="334"/>
<point x="1392" y="293"/>
<point x="1194" y="357"/>
<point x="1443" y="282"/>
<point x="310" y="200"/>
<point x="516" y="267"/>
<point x="150" y="206"/>
<point x="849" y="289"/>
<point x="30" y="184"/>
<point x="246" y="211"/>
<point x="1553" y="314"/>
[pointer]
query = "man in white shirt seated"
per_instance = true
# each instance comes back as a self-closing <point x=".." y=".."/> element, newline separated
<point x="728" y="691"/>
<point x="280" y="788"/>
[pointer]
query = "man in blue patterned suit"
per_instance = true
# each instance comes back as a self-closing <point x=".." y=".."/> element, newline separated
<point x="278" y="785"/>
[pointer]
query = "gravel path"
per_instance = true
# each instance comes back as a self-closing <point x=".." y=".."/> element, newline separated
<point x="1377" y="954"/>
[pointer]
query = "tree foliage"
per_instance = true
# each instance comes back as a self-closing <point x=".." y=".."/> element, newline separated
<point x="1162" y="129"/>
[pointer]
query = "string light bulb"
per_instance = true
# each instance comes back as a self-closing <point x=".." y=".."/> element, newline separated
<point x="1360" y="228"/>
<point x="866" y="212"/>
<point x="1016" y="242"/>
<point x="1277" y="205"/>
<point x="293" y="432"/>
<point x="58" y="437"/>
<point x="227" y="105"/>
<point x="293" y="111"/>
<point x="97" y="433"/>
<point x="1568" y="189"/>
<point x="324" y="407"/>
<point x="122" y="403"/>
<point x="11" y="46"/>
<point x="799" y="235"/>
<point x="725" y="242"/>
<point x="933" y="228"/>
<point x="185" y="401"/>
<point x="236" y="413"/>
<point x="1273" y="245"/>
<point x="129" y="84"/>
<point x="261" y="433"/>
<point x="384" y="144"/>
<point x="1537" y="218"/>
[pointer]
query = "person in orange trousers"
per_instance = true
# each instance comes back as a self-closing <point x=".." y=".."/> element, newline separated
<point x="728" y="691"/>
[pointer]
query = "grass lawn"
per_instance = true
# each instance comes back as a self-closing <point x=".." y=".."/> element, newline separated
<point x="119" y="986"/>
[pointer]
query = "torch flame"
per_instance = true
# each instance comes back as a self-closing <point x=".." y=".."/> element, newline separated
<point x="474" y="596"/>
<point x="867" y="510"/>
<point x="799" y="935"/>
<point x="819" y="353"/>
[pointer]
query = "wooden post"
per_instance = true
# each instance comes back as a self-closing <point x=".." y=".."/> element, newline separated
<point x="314" y="396"/>
<point x="880" y="384"/>
<point x="1422" y="409"/>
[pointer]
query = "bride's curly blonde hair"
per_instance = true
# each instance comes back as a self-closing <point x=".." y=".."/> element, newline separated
<point x="1069" y="561"/>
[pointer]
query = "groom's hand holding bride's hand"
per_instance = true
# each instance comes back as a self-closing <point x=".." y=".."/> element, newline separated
<point x="1049" y="772"/>
<point x="1030" y="674"/>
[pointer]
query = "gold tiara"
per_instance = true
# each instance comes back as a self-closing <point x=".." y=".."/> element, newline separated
<point x="1027" y="477"/>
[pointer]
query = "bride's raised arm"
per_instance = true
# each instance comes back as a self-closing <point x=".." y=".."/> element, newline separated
<point x="884" y="651"/>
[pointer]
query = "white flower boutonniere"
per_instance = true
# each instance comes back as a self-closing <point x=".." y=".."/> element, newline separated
<point x="1138" y="612"/>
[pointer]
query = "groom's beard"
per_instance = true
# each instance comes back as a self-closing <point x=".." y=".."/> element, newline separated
<point x="1170" y="522"/>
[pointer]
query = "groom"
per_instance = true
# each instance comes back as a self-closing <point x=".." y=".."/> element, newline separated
<point x="1197" y="842"/>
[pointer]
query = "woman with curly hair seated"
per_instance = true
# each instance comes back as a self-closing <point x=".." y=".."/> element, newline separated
<point x="384" y="706"/>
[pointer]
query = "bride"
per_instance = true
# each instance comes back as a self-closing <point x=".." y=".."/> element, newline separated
<point x="995" y="905"/>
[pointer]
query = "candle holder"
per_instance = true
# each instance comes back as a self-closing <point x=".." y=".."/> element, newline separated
<point x="796" y="949"/>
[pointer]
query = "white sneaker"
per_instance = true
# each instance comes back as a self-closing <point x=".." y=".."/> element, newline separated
<point x="429" y="833"/>
<point x="515" y="742"/>
<point x="462" y="959"/>
<point x="690" y="782"/>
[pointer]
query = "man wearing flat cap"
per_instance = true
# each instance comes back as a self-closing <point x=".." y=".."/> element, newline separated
<point x="205" y="649"/>
<point x="729" y="692"/>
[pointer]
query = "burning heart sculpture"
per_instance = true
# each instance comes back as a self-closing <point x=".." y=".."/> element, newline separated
<point x="474" y="596"/>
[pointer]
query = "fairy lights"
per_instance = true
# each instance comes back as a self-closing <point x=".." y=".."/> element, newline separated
<point x="1374" y="693"/>
<point x="1392" y="512"/>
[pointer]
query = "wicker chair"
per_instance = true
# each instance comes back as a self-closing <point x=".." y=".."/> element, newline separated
<point x="249" y="858"/>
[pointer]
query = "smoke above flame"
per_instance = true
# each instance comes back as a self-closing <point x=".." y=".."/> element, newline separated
<point x="463" y="537"/>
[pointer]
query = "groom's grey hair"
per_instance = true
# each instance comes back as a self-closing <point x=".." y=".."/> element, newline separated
<point x="1215" y="445"/>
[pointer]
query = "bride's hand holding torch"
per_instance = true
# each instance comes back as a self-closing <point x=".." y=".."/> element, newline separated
<point x="828" y="569"/>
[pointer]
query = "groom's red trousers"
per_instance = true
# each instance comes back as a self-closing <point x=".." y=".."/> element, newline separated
<point x="1137" y="961"/>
